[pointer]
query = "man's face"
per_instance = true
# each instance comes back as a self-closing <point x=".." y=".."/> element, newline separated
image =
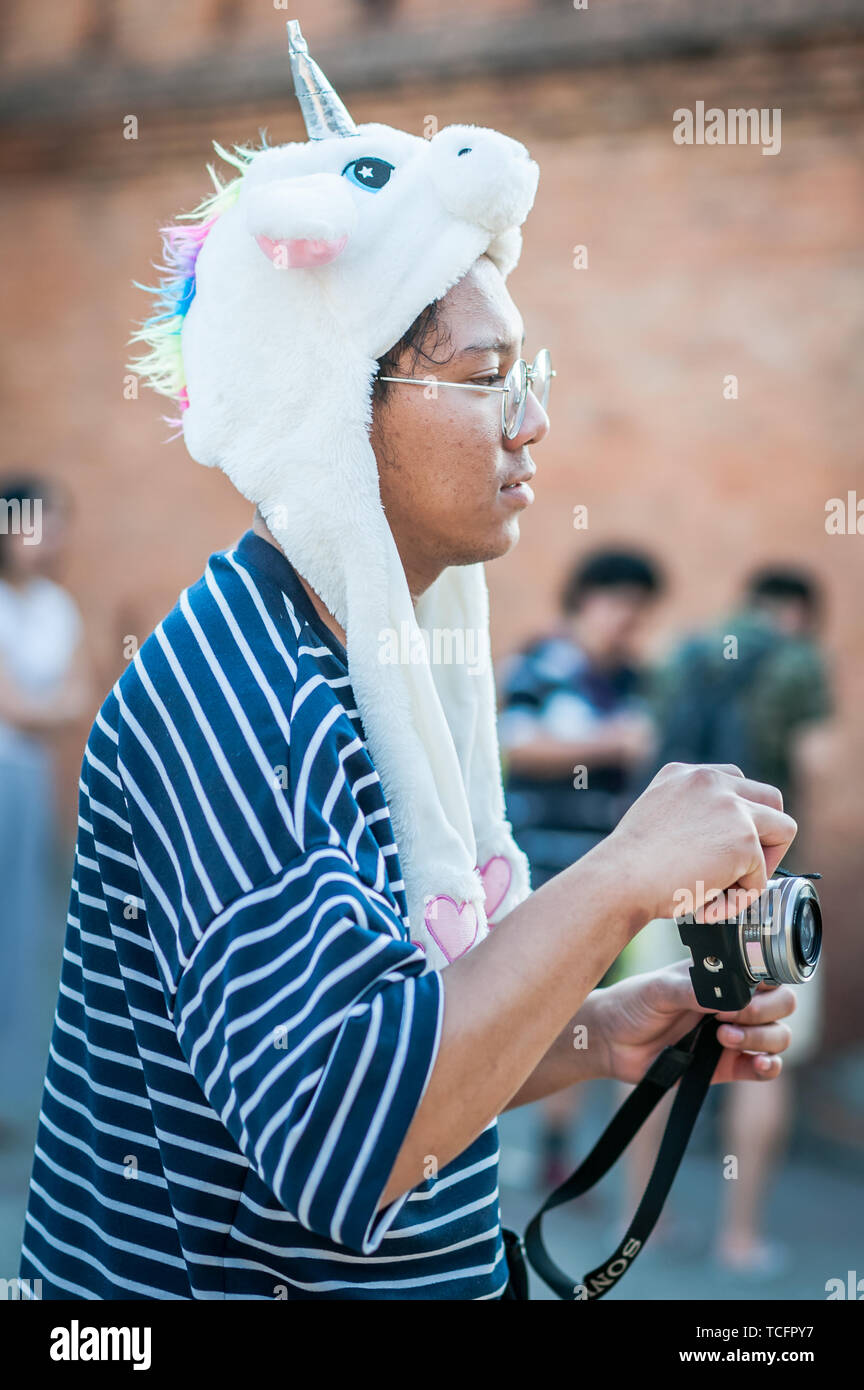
<point x="444" y="462"/>
<point x="791" y="616"/>
<point x="610" y="619"/>
<point x="42" y="550"/>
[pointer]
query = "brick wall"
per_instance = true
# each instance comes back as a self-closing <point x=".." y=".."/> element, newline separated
<point x="702" y="261"/>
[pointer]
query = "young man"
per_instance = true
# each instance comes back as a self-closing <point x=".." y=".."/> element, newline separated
<point x="285" y="1029"/>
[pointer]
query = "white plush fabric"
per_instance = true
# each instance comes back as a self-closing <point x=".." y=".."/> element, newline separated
<point x="300" y="287"/>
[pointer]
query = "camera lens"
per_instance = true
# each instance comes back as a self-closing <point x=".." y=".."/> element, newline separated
<point x="781" y="941"/>
<point x="807" y="933"/>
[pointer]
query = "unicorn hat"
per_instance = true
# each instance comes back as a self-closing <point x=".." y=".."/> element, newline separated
<point x="281" y="293"/>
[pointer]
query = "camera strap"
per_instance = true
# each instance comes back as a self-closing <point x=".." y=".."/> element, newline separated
<point x="692" y="1060"/>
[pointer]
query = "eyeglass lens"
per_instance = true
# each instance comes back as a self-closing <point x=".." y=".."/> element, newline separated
<point x="541" y="376"/>
<point x="515" y="396"/>
<point x="517" y="382"/>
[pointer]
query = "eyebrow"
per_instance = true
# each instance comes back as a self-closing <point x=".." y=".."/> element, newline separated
<point x="499" y="345"/>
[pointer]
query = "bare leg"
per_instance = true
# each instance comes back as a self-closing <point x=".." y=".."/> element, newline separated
<point x="641" y="1156"/>
<point x="557" y="1114"/>
<point x="755" y="1129"/>
<point x="563" y="1106"/>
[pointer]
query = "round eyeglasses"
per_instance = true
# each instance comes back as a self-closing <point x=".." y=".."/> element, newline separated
<point x="515" y="389"/>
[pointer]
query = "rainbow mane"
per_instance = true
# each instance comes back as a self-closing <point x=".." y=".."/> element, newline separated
<point x="161" y="368"/>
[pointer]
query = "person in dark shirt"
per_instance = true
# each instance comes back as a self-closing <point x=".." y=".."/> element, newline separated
<point x="574" y="716"/>
<point x="748" y="690"/>
<point x="574" y="725"/>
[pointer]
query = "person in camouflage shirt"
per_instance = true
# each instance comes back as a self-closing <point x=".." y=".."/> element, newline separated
<point x="744" y="692"/>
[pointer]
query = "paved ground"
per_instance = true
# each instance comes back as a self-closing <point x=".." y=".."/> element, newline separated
<point x="815" y="1209"/>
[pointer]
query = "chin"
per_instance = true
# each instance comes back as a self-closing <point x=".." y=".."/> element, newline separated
<point x="493" y="546"/>
<point x="510" y="534"/>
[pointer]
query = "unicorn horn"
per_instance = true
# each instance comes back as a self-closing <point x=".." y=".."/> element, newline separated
<point x="323" y="112"/>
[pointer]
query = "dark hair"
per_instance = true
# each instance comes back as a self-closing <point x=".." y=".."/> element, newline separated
<point x="782" y="584"/>
<point x="20" y="488"/>
<point x="416" y="339"/>
<point x="610" y="569"/>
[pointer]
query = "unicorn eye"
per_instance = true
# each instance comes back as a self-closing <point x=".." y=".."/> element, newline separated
<point x="368" y="172"/>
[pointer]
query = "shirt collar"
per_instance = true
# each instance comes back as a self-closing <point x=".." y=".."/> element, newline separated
<point x="260" y="555"/>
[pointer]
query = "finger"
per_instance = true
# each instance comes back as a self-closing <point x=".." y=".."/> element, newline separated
<point x="767" y="1037"/>
<point x="732" y="903"/>
<point x="773" y="856"/>
<point x="668" y="769"/>
<point x="673" y="989"/>
<point x="753" y="881"/>
<point x="735" y="1067"/>
<point x="761" y="792"/>
<point x="775" y="831"/>
<point x="766" y="1006"/>
<point x="772" y="826"/>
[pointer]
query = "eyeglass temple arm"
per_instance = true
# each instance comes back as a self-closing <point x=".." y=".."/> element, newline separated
<point x="460" y="385"/>
<point x="430" y="381"/>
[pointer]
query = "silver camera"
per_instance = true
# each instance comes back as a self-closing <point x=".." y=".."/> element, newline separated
<point x="778" y="939"/>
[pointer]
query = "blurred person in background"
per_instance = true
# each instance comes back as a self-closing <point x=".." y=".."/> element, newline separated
<point x="44" y="685"/>
<point x="573" y="726"/>
<point x="748" y="691"/>
<point x="751" y="685"/>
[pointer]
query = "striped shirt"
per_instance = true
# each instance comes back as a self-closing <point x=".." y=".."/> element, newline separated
<point x="244" y="1029"/>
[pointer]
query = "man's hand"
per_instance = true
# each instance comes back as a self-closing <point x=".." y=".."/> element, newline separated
<point x="701" y="833"/>
<point x="637" y="1018"/>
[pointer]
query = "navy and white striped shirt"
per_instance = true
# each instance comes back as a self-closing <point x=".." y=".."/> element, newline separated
<point x="244" y="1030"/>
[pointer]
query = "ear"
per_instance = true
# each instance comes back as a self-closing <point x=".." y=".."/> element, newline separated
<point x="301" y="222"/>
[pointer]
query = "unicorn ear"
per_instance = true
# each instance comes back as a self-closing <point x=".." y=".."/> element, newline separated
<point x="301" y="222"/>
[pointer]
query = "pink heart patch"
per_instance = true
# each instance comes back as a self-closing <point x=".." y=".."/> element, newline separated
<point x="452" y="927"/>
<point x="496" y="875"/>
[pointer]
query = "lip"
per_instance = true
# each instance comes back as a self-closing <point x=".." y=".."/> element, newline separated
<point x="524" y="475"/>
<point x="518" y="489"/>
<point x="519" y="493"/>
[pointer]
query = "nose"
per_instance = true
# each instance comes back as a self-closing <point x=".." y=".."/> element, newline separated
<point x="534" y="428"/>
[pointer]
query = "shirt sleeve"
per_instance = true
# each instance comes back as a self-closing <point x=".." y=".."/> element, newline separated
<point x="516" y="727"/>
<point x="310" y="1026"/>
<point x="66" y="626"/>
<point x="799" y="690"/>
<point x="520" y="717"/>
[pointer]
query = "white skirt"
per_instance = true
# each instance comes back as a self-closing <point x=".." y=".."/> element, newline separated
<point x="26" y="862"/>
